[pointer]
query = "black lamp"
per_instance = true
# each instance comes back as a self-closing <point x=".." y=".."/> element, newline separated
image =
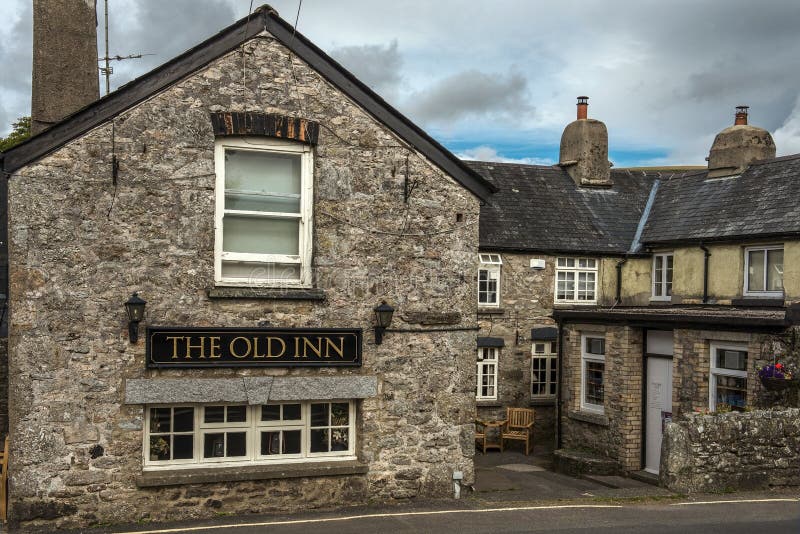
<point x="135" y="308"/>
<point x="383" y="318"/>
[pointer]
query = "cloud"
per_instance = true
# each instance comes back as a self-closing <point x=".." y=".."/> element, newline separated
<point x="487" y="153"/>
<point x="15" y="59"/>
<point x="787" y="137"/>
<point x="471" y="94"/>
<point x="377" y="66"/>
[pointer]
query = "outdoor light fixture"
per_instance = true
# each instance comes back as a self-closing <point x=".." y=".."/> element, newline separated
<point x="135" y="308"/>
<point x="383" y="318"/>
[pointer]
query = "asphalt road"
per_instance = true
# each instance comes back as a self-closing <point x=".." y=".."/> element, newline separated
<point x="758" y="516"/>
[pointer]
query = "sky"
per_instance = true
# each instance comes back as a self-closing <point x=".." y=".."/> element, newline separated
<point x="497" y="80"/>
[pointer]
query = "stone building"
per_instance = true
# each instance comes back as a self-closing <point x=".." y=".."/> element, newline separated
<point x="262" y="201"/>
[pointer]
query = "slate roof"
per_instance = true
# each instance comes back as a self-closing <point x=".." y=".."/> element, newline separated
<point x="763" y="201"/>
<point x="541" y="209"/>
<point x="261" y="19"/>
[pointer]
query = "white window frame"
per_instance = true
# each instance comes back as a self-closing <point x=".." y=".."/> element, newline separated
<point x="305" y="217"/>
<point x="765" y="293"/>
<point x="719" y="371"/>
<point x="254" y="426"/>
<point x="595" y="358"/>
<point x="492" y="265"/>
<point x="664" y="256"/>
<point x="563" y="267"/>
<point x="548" y="357"/>
<point x="487" y="356"/>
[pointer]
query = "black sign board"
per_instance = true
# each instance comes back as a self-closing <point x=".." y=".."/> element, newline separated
<point x="185" y="347"/>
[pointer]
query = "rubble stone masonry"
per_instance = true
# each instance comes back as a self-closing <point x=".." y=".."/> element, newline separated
<point x="80" y="245"/>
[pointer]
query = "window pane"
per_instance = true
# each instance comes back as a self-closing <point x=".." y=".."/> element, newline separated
<point x="159" y="448"/>
<point x="243" y="270"/>
<point x="594" y="383"/>
<point x="237" y="444"/>
<point x="339" y="439"/>
<point x="596" y="345"/>
<point x="257" y="235"/>
<point x="340" y="412"/>
<point x="271" y="412"/>
<point x="270" y="443"/>
<point x="160" y="420"/>
<point x="291" y="442"/>
<point x="319" y="414"/>
<point x="237" y="414"/>
<point x="775" y="270"/>
<point x="214" y="414"/>
<point x="732" y="359"/>
<point x="291" y="412"/>
<point x="319" y="440"/>
<point x="214" y="445"/>
<point x="183" y="419"/>
<point x="732" y="391"/>
<point x="262" y="172"/>
<point x="182" y="447"/>
<point x="755" y="275"/>
<point x="538" y="348"/>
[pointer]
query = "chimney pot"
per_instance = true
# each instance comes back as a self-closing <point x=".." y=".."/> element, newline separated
<point x="741" y="115"/>
<point x="583" y="105"/>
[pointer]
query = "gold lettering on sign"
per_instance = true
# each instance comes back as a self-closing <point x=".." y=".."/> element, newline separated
<point x="316" y="350"/>
<point x="329" y="344"/>
<point x="201" y="346"/>
<point x="214" y="347"/>
<point x="296" y="347"/>
<point x="269" y="347"/>
<point x="175" y="340"/>
<point x="233" y="350"/>
<point x="255" y="348"/>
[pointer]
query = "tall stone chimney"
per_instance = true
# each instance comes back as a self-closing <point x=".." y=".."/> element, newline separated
<point x="65" y="75"/>
<point x="584" y="149"/>
<point x="738" y="146"/>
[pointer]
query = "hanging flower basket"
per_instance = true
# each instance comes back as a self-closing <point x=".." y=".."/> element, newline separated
<point x="777" y="377"/>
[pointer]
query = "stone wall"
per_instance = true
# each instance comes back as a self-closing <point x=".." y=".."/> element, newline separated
<point x="80" y="245"/>
<point x="749" y="450"/>
<point x="3" y="388"/>
<point x="617" y="432"/>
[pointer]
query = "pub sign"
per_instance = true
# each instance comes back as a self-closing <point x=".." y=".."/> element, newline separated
<point x="186" y="347"/>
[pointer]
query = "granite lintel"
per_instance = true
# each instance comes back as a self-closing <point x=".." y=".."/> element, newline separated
<point x="180" y="390"/>
<point x="285" y="388"/>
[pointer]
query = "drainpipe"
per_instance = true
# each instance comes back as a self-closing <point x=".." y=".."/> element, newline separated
<point x="706" y="255"/>
<point x="559" y="376"/>
<point x="619" y="280"/>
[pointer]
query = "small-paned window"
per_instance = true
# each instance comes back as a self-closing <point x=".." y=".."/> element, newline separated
<point x="662" y="276"/>
<point x="593" y="368"/>
<point x="489" y="279"/>
<point x="576" y="280"/>
<point x="728" y="378"/>
<point x="544" y="369"/>
<point x="238" y="434"/>
<point x="263" y="212"/>
<point x="487" y="373"/>
<point x="764" y="271"/>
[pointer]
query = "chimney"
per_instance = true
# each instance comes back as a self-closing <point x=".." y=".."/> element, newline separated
<point x="584" y="149"/>
<point x="738" y="146"/>
<point x="65" y="74"/>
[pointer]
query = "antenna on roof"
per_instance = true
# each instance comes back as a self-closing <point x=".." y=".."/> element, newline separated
<point x="107" y="71"/>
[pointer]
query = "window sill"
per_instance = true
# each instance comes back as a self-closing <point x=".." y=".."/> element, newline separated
<point x="485" y="310"/>
<point x="567" y="303"/>
<point x="266" y="293"/>
<point x="543" y="402"/>
<point x="589" y="417"/>
<point x="206" y="475"/>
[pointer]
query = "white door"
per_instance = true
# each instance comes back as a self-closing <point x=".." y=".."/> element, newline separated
<point x="659" y="407"/>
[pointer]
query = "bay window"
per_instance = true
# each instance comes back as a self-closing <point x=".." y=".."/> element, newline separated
<point x="593" y="368"/>
<point x="728" y="377"/>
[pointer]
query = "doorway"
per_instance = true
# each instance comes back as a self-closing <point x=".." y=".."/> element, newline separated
<point x="658" y="394"/>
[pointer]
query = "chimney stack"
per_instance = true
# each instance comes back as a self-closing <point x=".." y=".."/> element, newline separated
<point x="584" y="149"/>
<point x="738" y="146"/>
<point x="65" y="74"/>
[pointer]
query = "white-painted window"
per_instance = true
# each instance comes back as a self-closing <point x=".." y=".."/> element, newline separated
<point x="219" y="434"/>
<point x="763" y="268"/>
<point x="593" y="370"/>
<point x="662" y="276"/>
<point x="263" y="212"/>
<point x="544" y="369"/>
<point x="576" y="280"/>
<point x="728" y="377"/>
<point x="487" y="373"/>
<point x="489" y="279"/>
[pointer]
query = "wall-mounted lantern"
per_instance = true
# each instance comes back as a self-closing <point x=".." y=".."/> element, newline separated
<point x="383" y="318"/>
<point x="135" y="308"/>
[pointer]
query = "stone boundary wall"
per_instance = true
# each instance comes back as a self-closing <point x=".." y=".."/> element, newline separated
<point x="732" y="451"/>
